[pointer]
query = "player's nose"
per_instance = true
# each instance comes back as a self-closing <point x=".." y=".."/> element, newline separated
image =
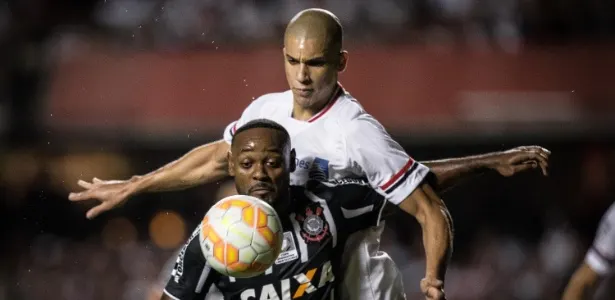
<point x="260" y="173"/>
<point x="303" y="74"/>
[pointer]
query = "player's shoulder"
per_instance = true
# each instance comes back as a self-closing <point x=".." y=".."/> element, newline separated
<point x="347" y="108"/>
<point x="361" y="125"/>
<point x="270" y="103"/>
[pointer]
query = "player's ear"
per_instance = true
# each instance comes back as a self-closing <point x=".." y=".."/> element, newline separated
<point x="343" y="61"/>
<point x="293" y="163"/>
<point x="231" y="164"/>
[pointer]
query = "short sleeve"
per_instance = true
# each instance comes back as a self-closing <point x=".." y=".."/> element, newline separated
<point x="385" y="164"/>
<point x="601" y="255"/>
<point x="191" y="277"/>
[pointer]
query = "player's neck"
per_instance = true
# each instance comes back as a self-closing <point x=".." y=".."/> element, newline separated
<point x="304" y="114"/>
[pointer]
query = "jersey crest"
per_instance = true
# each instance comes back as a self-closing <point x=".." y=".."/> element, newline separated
<point x="314" y="227"/>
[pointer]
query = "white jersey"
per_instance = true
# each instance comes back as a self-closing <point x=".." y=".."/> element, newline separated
<point x="343" y="141"/>
<point x="601" y="255"/>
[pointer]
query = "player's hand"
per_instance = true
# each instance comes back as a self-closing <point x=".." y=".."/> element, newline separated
<point x="513" y="161"/>
<point x="111" y="193"/>
<point x="433" y="289"/>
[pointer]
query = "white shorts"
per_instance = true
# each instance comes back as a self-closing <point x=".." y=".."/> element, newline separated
<point x="370" y="273"/>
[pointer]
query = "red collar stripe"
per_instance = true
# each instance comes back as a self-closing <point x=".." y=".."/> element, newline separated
<point x="338" y="92"/>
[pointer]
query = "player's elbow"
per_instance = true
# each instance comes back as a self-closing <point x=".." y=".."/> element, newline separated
<point x="426" y="206"/>
<point x="205" y="163"/>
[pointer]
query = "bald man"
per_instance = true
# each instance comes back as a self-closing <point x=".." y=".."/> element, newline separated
<point x="337" y="142"/>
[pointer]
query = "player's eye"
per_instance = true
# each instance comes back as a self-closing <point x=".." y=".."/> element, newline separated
<point x="292" y="61"/>
<point x="274" y="163"/>
<point x="246" y="164"/>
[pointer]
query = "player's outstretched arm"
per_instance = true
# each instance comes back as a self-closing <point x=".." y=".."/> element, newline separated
<point x="207" y="163"/>
<point x="450" y="172"/>
<point x="582" y="284"/>
<point x="436" y="223"/>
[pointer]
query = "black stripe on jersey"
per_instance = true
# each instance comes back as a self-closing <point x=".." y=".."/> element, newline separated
<point x="603" y="257"/>
<point x="403" y="179"/>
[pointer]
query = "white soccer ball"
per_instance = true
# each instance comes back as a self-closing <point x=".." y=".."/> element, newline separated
<point x="241" y="236"/>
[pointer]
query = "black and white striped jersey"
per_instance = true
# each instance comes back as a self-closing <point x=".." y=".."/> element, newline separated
<point x="322" y="216"/>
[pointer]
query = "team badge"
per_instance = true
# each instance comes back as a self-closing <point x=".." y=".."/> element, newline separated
<point x="314" y="227"/>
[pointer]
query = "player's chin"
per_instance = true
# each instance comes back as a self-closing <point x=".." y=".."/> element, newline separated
<point x="304" y="101"/>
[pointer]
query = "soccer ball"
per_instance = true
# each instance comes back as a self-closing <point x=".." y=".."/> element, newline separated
<point x="241" y="236"/>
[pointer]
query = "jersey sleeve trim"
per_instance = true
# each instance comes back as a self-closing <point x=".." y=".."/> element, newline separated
<point x="399" y="177"/>
<point x="170" y="295"/>
<point x="229" y="132"/>
<point x="598" y="262"/>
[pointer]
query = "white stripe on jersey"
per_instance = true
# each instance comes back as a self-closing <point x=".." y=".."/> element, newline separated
<point x="327" y="213"/>
<point x="351" y="213"/>
<point x="300" y="241"/>
<point x="204" y="274"/>
<point x="380" y="213"/>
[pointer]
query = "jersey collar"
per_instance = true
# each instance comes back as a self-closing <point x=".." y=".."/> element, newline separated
<point x="338" y="91"/>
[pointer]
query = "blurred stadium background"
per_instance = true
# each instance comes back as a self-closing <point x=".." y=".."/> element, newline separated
<point x="120" y="87"/>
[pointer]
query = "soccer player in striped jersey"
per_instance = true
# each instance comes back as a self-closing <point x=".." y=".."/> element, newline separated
<point x="317" y="219"/>
<point x="334" y="138"/>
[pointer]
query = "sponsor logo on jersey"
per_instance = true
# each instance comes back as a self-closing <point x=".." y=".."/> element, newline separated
<point x="302" y="164"/>
<point x="314" y="227"/>
<point x="344" y="181"/>
<point x="289" y="250"/>
<point x="319" y="169"/>
<point x="178" y="270"/>
<point x="307" y="282"/>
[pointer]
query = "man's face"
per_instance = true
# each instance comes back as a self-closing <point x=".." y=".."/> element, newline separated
<point x="260" y="160"/>
<point x="311" y="70"/>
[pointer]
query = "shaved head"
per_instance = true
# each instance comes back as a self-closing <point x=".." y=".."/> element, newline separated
<point x="313" y="58"/>
<point x="319" y="25"/>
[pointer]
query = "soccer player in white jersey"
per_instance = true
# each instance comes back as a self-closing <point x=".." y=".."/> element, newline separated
<point x="334" y="138"/>
<point x="598" y="261"/>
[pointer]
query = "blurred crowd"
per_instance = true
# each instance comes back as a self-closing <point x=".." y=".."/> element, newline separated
<point x="183" y="23"/>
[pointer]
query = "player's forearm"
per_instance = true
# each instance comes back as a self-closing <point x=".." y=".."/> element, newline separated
<point x="450" y="172"/>
<point x="437" y="226"/>
<point x="438" y="242"/>
<point x="582" y="284"/>
<point x="204" y="164"/>
<point x="577" y="291"/>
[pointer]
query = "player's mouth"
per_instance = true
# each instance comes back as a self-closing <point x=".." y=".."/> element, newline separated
<point x="304" y="92"/>
<point x="260" y="191"/>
